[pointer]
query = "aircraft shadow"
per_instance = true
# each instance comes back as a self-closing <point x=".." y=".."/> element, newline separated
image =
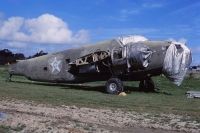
<point x="90" y="87"/>
<point x="129" y="89"/>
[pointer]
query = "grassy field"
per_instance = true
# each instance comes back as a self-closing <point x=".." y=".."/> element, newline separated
<point x="168" y="99"/>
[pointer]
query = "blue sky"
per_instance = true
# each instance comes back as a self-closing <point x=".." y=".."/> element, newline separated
<point x="74" y="23"/>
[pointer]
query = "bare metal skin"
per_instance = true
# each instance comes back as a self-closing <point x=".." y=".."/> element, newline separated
<point x="110" y="59"/>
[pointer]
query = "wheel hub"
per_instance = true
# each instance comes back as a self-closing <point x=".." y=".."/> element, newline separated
<point x="113" y="86"/>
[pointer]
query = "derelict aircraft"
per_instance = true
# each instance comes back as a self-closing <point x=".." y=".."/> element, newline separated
<point x="126" y="58"/>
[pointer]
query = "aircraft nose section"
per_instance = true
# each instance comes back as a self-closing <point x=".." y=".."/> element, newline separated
<point x="176" y="62"/>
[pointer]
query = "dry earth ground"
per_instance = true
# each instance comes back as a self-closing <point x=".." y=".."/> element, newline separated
<point x="27" y="117"/>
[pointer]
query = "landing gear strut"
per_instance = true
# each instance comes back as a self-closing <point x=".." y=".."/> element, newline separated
<point x="147" y="85"/>
<point x="114" y="86"/>
<point x="8" y="79"/>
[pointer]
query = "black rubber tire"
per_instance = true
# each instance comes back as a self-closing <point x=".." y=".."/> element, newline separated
<point x="147" y="85"/>
<point x="114" y="86"/>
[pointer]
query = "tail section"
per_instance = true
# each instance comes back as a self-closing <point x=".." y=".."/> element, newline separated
<point x="17" y="68"/>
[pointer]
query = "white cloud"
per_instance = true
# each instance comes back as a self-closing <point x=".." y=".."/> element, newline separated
<point x="81" y="36"/>
<point x="45" y="29"/>
<point x="137" y="9"/>
<point x="124" y="14"/>
<point x="189" y="7"/>
<point x="129" y="12"/>
<point x="181" y="40"/>
<point x="16" y="44"/>
<point x="152" y="5"/>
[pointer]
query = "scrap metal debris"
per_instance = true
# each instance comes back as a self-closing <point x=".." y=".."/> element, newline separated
<point x="193" y="94"/>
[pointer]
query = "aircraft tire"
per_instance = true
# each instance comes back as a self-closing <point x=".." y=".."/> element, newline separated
<point x="147" y="85"/>
<point x="114" y="86"/>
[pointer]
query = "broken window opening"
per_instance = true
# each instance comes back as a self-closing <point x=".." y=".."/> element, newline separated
<point x="117" y="54"/>
<point x="91" y="58"/>
<point x="67" y="61"/>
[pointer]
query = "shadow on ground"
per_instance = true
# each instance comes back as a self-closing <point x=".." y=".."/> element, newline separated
<point x="99" y="87"/>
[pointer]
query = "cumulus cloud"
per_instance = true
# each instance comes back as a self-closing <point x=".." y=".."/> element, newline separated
<point x="45" y="29"/>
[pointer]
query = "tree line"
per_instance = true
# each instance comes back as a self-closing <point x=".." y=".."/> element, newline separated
<point x="8" y="57"/>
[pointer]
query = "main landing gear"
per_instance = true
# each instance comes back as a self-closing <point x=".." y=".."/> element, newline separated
<point x="115" y="85"/>
<point x="147" y="85"/>
<point x="8" y="78"/>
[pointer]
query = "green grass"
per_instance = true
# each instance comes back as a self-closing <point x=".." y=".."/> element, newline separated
<point x="5" y="129"/>
<point x="9" y="129"/>
<point x="169" y="99"/>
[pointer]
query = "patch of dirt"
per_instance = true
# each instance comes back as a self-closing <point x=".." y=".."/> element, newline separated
<point x="28" y="117"/>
